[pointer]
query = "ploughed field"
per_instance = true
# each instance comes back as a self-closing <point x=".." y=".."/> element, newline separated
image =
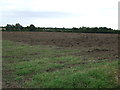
<point x="59" y="60"/>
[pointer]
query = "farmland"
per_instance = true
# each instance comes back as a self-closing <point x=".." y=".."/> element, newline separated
<point x="59" y="60"/>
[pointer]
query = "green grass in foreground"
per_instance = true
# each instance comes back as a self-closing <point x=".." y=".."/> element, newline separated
<point x="45" y="67"/>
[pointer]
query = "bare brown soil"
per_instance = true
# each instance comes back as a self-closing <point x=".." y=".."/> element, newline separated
<point x="63" y="39"/>
<point x="94" y="44"/>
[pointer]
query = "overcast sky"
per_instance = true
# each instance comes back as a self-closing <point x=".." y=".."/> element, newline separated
<point x="60" y="13"/>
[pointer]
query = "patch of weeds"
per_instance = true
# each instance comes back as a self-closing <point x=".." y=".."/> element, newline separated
<point x="54" y="67"/>
<point x="18" y="78"/>
<point x="24" y="71"/>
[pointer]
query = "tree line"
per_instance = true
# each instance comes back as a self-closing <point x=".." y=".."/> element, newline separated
<point x="18" y="27"/>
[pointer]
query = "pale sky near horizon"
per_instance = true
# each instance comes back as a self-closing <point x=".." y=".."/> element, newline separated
<point x="60" y="13"/>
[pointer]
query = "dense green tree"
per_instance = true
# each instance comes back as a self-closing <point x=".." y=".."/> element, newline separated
<point x="18" y="27"/>
<point x="10" y="27"/>
<point x="32" y="27"/>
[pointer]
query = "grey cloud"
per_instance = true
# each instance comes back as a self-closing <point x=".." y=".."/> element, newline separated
<point x="26" y="17"/>
<point x="35" y="14"/>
